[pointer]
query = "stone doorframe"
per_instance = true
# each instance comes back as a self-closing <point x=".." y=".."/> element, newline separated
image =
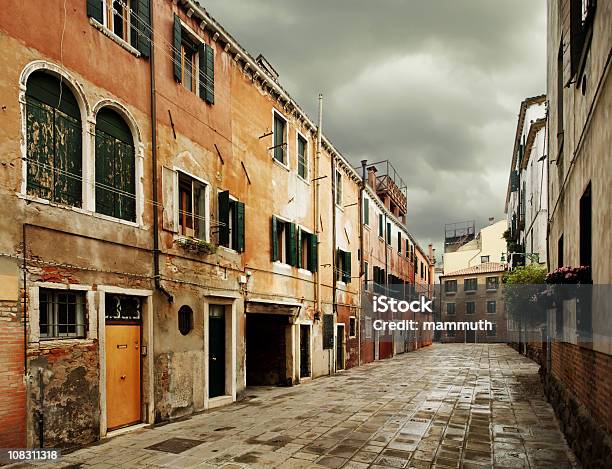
<point x="147" y="379"/>
<point x="231" y="353"/>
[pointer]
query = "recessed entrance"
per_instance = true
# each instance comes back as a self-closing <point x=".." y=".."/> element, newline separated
<point x="340" y="347"/>
<point x="470" y="337"/>
<point x="266" y="349"/>
<point x="216" y="351"/>
<point x="304" y="351"/>
<point x="122" y="344"/>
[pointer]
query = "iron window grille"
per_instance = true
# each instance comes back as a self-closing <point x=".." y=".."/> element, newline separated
<point x="62" y="314"/>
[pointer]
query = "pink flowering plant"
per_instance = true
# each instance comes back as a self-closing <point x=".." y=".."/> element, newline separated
<point x="570" y="275"/>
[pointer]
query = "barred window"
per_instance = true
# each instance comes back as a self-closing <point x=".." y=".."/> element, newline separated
<point x="61" y="314"/>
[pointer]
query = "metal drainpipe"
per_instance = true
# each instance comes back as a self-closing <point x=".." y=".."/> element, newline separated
<point x="332" y="353"/>
<point x="25" y="303"/>
<point x="41" y="412"/>
<point x="156" y="273"/>
<point x="362" y="255"/>
<point x="316" y="207"/>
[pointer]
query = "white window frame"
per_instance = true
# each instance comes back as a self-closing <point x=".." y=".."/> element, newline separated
<point x="196" y="61"/>
<point x="306" y="177"/>
<point x="108" y="23"/>
<point x="284" y="164"/>
<point x="231" y="246"/>
<point x="282" y="247"/>
<point x="177" y="195"/>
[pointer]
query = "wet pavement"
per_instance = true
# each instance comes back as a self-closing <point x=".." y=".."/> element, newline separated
<point x="446" y="406"/>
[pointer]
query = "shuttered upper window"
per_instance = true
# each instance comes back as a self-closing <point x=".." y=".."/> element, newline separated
<point x="191" y="207"/>
<point x="54" y="139"/>
<point x="194" y="62"/>
<point x="126" y="19"/>
<point x="280" y="139"/>
<point x="343" y="265"/>
<point x="115" y="167"/>
<point x="302" y="152"/>
<point x="231" y="222"/>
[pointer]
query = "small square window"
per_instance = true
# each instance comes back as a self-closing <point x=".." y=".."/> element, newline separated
<point x="62" y="314"/>
<point x="450" y="286"/>
<point x="484" y="259"/>
<point x="491" y="307"/>
<point x="450" y="309"/>
<point x="492" y="283"/>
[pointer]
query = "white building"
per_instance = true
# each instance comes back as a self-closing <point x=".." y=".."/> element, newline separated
<point x="487" y="246"/>
<point x="527" y="196"/>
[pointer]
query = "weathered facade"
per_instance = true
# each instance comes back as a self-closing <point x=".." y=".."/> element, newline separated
<point x="471" y="295"/>
<point x="527" y="194"/>
<point x="204" y="236"/>
<point x="579" y="90"/>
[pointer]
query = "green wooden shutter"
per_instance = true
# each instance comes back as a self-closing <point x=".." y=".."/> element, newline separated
<point x="274" y="239"/>
<point x="299" y="247"/>
<point x="239" y="226"/>
<point x="68" y="160"/>
<point x="140" y="34"/>
<point x="177" y="40"/>
<point x="346" y="274"/>
<point x="291" y="244"/>
<point x="366" y="211"/>
<point x="202" y="70"/>
<point x="105" y="168"/>
<point x="125" y="181"/>
<point x="94" y="10"/>
<point x="224" y="221"/>
<point x="39" y="121"/>
<point x="209" y="75"/>
<point x="312" y="255"/>
<point x="381" y="228"/>
<point x="388" y="233"/>
<point x="399" y="242"/>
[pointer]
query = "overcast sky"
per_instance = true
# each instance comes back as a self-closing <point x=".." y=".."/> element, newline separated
<point x="432" y="85"/>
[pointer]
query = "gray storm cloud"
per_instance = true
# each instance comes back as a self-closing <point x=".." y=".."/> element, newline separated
<point x="434" y="86"/>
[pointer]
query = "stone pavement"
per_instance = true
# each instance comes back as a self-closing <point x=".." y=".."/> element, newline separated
<point x="446" y="406"/>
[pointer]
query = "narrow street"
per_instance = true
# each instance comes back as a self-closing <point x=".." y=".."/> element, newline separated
<point x="446" y="406"/>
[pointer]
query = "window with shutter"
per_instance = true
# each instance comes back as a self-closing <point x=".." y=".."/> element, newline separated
<point x="230" y="220"/>
<point x="346" y="277"/>
<point x="388" y="233"/>
<point x="209" y="75"/>
<point x="381" y="226"/>
<point x="177" y="42"/>
<point x="115" y="167"/>
<point x="54" y="139"/>
<point x="280" y="138"/>
<point x="291" y="239"/>
<point x="366" y="211"/>
<point x="239" y="217"/>
<point x="192" y="212"/>
<point x="338" y="188"/>
<point x="399" y="242"/>
<point x="302" y="149"/>
<point x="224" y="219"/>
<point x="284" y="241"/>
<point x="313" y="254"/>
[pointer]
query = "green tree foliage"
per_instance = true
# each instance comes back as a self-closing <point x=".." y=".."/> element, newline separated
<point x="527" y="275"/>
<point x="523" y="290"/>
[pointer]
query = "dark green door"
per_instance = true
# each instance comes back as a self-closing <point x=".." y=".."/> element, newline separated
<point x="304" y="351"/>
<point x="216" y="352"/>
<point x="340" y="347"/>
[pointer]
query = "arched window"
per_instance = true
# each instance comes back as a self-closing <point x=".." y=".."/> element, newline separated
<point x="54" y="139"/>
<point x="115" y="167"/>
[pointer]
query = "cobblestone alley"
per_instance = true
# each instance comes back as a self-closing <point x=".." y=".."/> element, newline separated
<point x="446" y="406"/>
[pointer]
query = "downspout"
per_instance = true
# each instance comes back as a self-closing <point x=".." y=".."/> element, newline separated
<point x="317" y="224"/>
<point x="25" y="304"/>
<point x="156" y="270"/>
<point x="332" y="353"/>
<point x="361" y="254"/>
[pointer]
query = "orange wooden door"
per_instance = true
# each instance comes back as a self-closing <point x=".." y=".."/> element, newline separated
<point x="122" y="375"/>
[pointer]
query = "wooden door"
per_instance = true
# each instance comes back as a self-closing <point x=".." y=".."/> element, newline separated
<point x="304" y="351"/>
<point x="216" y="352"/>
<point x="340" y="347"/>
<point x="122" y="375"/>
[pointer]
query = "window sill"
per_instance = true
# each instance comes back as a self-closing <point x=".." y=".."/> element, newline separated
<point x="113" y="37"/>
<point x="282" y="165"/>
<point x="52" y="343"/>
<point x="80" y="210"/>
<point x="305" y="272"/>
<point x="305" y="181"/>
<point x="282" y="264"/>
<point x="469" y="292"/>
<point x="492" y="289"/>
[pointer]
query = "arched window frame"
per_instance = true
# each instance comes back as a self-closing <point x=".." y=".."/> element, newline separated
<point x="88" y="130"/>
<point x="138" y="155"/>
<point x="77" y="91"/>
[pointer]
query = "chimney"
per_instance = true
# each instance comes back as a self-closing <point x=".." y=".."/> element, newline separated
<point x="372" y="177"/>
<point x="430" y="251"/>
<point x="491" y="220"/>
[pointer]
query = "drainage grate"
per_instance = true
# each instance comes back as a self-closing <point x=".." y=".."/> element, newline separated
<point x="175" y="445"/>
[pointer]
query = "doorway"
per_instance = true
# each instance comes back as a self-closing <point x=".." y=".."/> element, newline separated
<point x="470" y="337"/>
<point x="339" y="346"/>
<point x="216" y="351"/>
<point x="266" y="349"/>
<point x="122" y="375"/>
<point x="304" y="351"/>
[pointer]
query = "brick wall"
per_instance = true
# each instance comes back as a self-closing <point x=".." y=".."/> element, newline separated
<point x="12" y="390"/>
<point x="587" y="375"/>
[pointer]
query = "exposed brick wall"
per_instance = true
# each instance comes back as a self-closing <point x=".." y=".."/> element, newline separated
<point x="12" y="389"/>
<point x="587" y="375"/>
